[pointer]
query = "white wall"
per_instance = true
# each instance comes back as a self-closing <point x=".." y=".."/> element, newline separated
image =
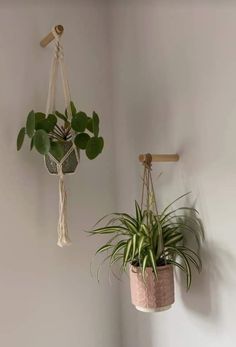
<point x="47" y="295"/>
<point x="174" y="88"/>
<point x="166" y="72"/>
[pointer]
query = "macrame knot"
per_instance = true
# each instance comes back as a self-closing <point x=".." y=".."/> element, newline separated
<point x="147" y="162"/>
<point x="62" y="229"/>
<point x="58" y="50"/>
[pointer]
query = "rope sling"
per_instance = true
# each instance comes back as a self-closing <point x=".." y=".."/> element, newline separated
<point x="148" y="198"/>
<point x="56" y="65"/>
<point x="147" y="187"/>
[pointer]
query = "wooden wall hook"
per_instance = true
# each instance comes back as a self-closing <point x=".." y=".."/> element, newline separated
<point x="159" y="157"/>
<point x="50" y="37"/>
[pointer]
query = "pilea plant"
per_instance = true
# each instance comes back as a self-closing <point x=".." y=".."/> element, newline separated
<point x="48" y="134"/>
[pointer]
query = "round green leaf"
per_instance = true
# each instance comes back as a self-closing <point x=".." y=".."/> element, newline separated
<point x="57" y="150"/>
<point x="52" y="119"/>
<point x="41" y="141"/>
<point x="93" y="148"/>
<point x="30" y="124"/>
<point x="81" y="140"/>
<point x="101" y="143"/>
<point x="45" y="125"/>
<point x="95" y="124"/>
<point x="73" y="108"/>
<point x="20" y="138"/>
<point x="90" y="124"/>
<point x="39" y="117"/>
<point x="79" y="122"/>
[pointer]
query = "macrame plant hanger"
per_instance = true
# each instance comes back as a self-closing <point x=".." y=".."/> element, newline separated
<point x="148" y="193"/>
<point x="58" y="65"/>
<point x="148" y="188"/>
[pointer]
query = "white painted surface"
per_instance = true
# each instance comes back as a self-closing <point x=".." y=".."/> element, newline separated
<point x="171" y="87"/>
<point x="47" y="295"/>
<point x="174" y="88"/>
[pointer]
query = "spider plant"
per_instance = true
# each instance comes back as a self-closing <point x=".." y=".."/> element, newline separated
<point x="150" y="239"/>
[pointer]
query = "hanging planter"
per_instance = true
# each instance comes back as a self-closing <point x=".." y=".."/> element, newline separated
<point x="70" y="162"/>
<point x="60" y="136"/>
<point x="154" y="294"/>
<point x="150" y="244"/>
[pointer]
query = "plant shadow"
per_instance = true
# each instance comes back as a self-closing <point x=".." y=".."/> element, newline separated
<point x="203" y="296"/>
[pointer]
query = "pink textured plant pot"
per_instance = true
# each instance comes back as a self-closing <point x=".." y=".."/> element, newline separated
<point x="156" y="294"/>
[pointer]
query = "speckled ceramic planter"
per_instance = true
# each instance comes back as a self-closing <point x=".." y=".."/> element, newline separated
<point x="70" y="163"/>
<point x="156" y="294"/>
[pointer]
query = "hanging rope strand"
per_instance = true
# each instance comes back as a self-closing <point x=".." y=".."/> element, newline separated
<point x="52" y="82"/>
<point x="58" y="59"/>
<point x="143" y="187"/>
<point x="63" y="237"/>
<point x="151" y="202"/>
<point x="154" y="195"/>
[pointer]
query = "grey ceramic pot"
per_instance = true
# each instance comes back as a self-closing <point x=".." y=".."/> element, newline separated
<point x="69" y="165"/>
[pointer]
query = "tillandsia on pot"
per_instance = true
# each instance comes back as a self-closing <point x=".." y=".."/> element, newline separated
<point x="152" y="244"/>
<point x="49" y="133"/>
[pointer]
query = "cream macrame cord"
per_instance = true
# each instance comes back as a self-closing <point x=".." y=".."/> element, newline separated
<point x="148" y="194"/>
<point x="58" y="62"/>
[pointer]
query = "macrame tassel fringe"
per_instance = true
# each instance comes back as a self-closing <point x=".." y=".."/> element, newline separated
<point x="62" y="229"/>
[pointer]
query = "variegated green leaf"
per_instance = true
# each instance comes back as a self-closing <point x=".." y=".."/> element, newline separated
<point x="104" y="248"/>
<point x="134" y="246"/>
<point x="121" y="245"/>
<point x="186" y="263"/>
<point x="144" y="266"/>
<point x="172" y="203"/>
<point x="127" y="252"/>
<point x="140" y="246"/>
<point x="174" y="239"/>
<point x="153" y="262"/>
<point x="138" y="211"/>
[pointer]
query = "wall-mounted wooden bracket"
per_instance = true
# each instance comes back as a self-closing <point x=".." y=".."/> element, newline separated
<point x="158" y="157"/>
<point x="50" y="37"/>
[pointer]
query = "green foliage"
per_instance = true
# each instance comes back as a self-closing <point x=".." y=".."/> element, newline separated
<point x="49" y="132"/>
<point x="20" y="138"/>
<point x="81" y="140"/>
<point x="57" y="150"/>
<point x="61" y="116"/>
<point x="95" y="124"/>
<point x="79" y="122"/>
<point x="151" y="240"/>
<point x="73" y="108"/>
<point x="90" y="124"/>
<point x="41" y="141"/>
<point x="94" y="147"/>
<point x="30" y="124"/>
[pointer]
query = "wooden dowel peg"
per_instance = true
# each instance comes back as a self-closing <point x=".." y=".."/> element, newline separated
<point x="50" y="37"/>
<point x="159" y="157"/>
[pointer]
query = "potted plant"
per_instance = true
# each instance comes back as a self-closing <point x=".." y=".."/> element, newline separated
<point x="152" y="244"/>
<point x="59" y="137"/>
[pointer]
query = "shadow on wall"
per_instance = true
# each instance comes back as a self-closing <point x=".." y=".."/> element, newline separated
<point x="203" y="298"/>
<point x="137" y="329"/>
